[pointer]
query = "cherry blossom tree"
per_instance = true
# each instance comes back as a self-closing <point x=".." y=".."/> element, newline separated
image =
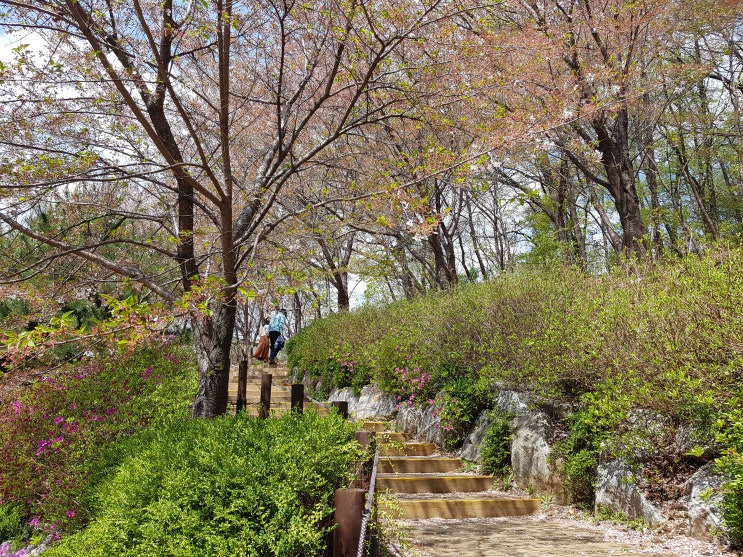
<point x="199" y="117"/>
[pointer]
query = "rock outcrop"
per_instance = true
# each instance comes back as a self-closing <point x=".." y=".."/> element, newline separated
<point x="530" y="458"/>
<point x="371" y="404"/>
<point x="423" y="424"/>
<point x="530" y="450"/>
<point x="617" y="491"/>
<point x="703" y="504"/>
<point x="471" y="448"/>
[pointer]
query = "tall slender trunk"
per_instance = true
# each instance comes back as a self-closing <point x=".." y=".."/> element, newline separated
<point x="578" y="235"/>
<point x="340" y="281"/>
<point x="475" y="238"/>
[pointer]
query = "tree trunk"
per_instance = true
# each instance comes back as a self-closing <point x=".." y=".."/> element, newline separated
<point x="445" y="273"/>
<point x="212" y="338"/>
<point x="340" y="281"/>
<point x="621" y="180"/>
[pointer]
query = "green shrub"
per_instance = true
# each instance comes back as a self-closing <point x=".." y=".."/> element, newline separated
<point x="495" y="449"/>
<point x="11" y="306"/>
<point x="223" y="487"/>
<point x="53" y="434"/>
<point x="591" y="426"/>
<point x="14" y="524"/>
<point x="669" y="336"/>
<point x="462" y="398"/>
<point x="731" y="464"/>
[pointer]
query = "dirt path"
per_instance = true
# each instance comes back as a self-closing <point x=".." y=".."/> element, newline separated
<point x="555" y="533"/>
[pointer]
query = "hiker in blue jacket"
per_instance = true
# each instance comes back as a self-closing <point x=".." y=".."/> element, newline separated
<point x="275" y="334"/>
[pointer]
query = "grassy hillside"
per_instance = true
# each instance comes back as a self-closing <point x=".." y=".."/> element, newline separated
<point x="668" y="339"/>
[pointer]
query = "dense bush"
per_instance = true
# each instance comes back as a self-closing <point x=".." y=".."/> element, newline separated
<point x="14" y="526"/>
<point x="731" y="464"/>
<point x="663" y="338"/>
<point x="53" y="434"/>
<point x="229" y="486"/>
<point x="591" y="426"/>
<point x="672" y="334"/>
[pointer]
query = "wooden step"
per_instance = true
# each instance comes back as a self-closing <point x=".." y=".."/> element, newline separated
<point x="456" y="508"/>
<point x="254" y="398"/>
<point x="252" y="408"/>
<point x="374" y="426"/>
<point x="418" y="465"/>
<point x="407" y="449"/>
<point x="434" y="483"/>
<point x="391" y="437"/>
<point x="257" y="378"/>
<point x="276" y="392"/>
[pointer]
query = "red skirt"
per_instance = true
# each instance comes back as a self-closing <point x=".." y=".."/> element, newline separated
<point x="261" y="352"/>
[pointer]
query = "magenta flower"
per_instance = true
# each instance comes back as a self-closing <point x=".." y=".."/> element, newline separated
<point x="42" y="445"/>
<point x="70" y="514"/>
<point x="58" y="420"/>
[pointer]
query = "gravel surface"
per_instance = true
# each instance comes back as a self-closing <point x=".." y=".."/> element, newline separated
<point x="667" y="538"/>
<point x="554" y="532"/>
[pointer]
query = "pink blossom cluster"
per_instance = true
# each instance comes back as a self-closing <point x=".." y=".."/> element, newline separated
<point x="347" y="364"/>
<point x="53" y="443"/>
<point x="6" y="550"/>
<point x="146" y="374"/>
<point x="65" y="415"/>
<point x="410" y="384"/>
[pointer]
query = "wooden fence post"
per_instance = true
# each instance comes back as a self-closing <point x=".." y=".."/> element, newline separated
<point x="242" y="381"/>
<point x="342" y="407"/>
<point x="298" y="397"/>
<point x="265" y="404"/>
<point x="349" y="508"/>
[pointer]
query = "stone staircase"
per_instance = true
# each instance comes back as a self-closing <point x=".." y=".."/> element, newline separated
<point x="426" y="485"/>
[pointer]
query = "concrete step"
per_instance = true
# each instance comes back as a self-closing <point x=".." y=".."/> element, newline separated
<point x="457" y="508"/>
<point x="429" y="483"/>
<point x="418" y="465"/>
<point x="407" y="449"/>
